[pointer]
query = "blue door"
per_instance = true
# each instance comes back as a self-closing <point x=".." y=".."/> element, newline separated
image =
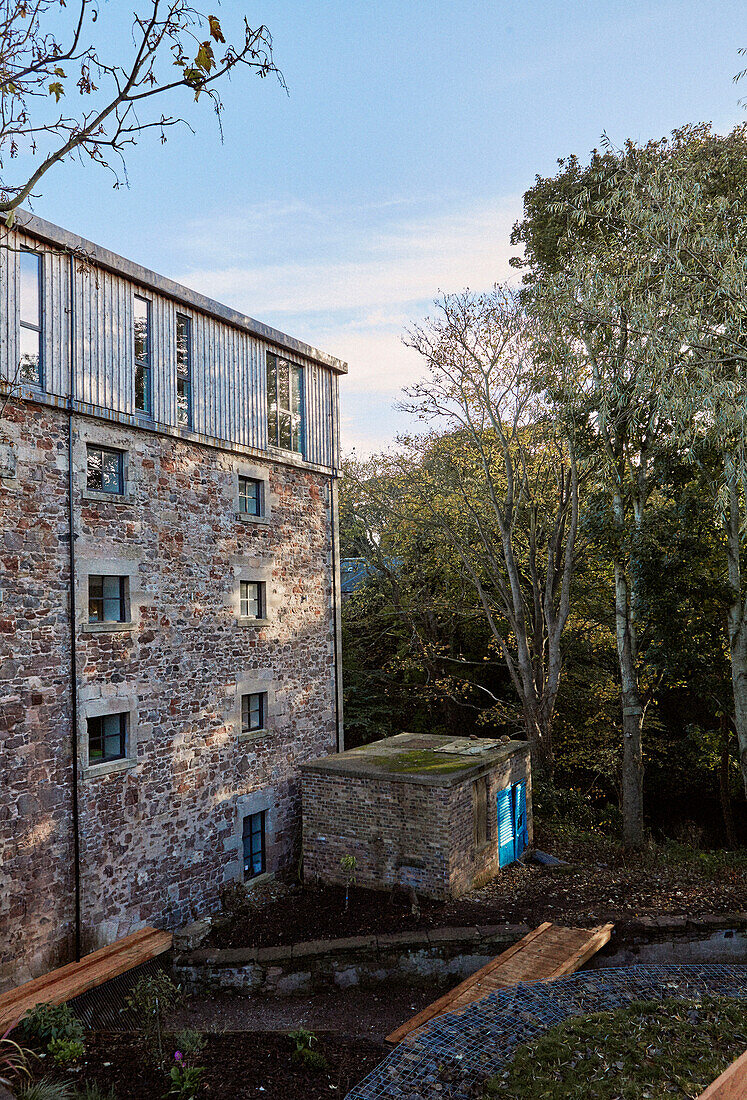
<point x="506" y="827"/>
<point x="513" y="834"/>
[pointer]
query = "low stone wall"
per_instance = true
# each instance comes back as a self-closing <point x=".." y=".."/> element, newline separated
<point x="422" y="958"/>
<point x="405" y="958"/>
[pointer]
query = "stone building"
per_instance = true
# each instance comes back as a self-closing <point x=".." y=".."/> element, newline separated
<point x="439" y="814"/>
<point x="165" y="671"/>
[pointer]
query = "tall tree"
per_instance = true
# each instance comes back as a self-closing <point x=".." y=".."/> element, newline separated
<point x="47" y="58"/>
<point x="513" y="484"/>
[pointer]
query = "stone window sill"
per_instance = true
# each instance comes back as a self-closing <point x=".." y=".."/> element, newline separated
<point x="246" y="517"/>
<point x="259" y="880"/>
<point x="249" y="735"/>
<point x="106" y="628"/>
<point x="114" y="498"/>
<point x="111" y="767"/>
<point x="243" y="621"/>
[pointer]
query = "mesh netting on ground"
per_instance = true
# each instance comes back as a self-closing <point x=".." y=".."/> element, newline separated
<point x="453" y="1052"/>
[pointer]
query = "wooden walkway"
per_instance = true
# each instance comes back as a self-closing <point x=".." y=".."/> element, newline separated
<point x="93" y="970"/>
<point x="548" y="952"/>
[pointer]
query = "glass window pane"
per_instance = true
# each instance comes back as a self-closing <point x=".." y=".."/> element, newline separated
<point x="183" y="401"/>
<point x="111" y="471"/>
<point x="140" y="316"/>
<point x="142" y="388"/>
<point x="283" y="387"/>
<point x="295" y="380"/>
<point x="30" y="271"/>
<point x="284" y="430"/>
<point x="30" y="356"/>
<point x="95" y="599"/>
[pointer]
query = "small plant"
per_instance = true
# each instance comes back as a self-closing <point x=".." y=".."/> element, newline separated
<point x="310" y="1059"/>
<point x="151" y="999"/>
<point x="46" y="1022"/>
<point x="94" y="1091"/>
<point x="47" y="1089"/>
<point x="14" y="1059"/>
<point x="185" y="1080"/>
<point x="190" y="1042"/>
<point x="66" y="1051"/>
<point x="348" y="865"/>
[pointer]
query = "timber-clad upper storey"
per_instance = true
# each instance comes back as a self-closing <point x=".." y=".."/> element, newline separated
<point x="147" y="350"/>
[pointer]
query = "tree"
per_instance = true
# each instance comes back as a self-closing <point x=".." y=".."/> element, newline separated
<point x="42" y="68"/>
<point x="646" y="285"/>
<point x="512" y="478"/>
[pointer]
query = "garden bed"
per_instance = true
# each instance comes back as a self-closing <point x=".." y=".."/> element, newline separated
<point x="238" y="1065"/>
<point x="602" y="883"/>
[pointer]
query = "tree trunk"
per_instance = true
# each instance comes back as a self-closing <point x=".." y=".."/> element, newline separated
<point x="723" y="783"/>
<point x="632" y="716"/>
<point x="736" y="615"/>
<point x="739" y="687"/>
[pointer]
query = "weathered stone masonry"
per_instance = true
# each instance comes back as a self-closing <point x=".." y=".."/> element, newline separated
<point x="160" y="835"/>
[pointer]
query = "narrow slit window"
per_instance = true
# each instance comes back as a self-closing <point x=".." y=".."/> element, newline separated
<point x="105" y="472"/>
<point x="284" y="404"/>
<point x="141" y="323"/>
<point x="184" y="370"/>
<point x="107" y="738"/>
<point x="251" y="501"/>
<point x="30" y="350"/>
<point x="252" y="599"/>
<point x="254" y="844"/>
<point x="107" y="599"/>
<point x="253" y="707"/>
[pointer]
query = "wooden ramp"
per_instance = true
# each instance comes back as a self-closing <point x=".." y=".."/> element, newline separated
<point x="731" y="1085"/>
<point x="550" y="951"/>
<point x="93" y="970"/>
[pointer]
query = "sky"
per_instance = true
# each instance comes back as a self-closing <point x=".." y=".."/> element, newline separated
<point x="394" y="167"/>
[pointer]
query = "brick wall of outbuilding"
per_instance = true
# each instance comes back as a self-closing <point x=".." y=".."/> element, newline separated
<point x="159" y="838"/>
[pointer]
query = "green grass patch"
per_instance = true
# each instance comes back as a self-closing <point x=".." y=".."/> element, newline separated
<point x="651" y="1049"/>
<point x="420" y="760"/>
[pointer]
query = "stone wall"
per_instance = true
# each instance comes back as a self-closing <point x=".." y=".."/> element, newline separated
<point x="161" y="831"/>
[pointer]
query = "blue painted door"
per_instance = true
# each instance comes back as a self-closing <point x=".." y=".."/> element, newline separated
<point x="506" y="827"/>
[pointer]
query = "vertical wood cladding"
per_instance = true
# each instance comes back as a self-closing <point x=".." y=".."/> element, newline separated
<point x="158" y="839"/>
<point x="228" y="363"/>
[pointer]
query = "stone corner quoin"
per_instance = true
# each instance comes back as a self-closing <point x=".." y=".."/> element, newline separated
<point x="191" y="797"/>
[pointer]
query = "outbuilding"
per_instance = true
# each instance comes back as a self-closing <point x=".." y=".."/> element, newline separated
<point x="436" y="813"/>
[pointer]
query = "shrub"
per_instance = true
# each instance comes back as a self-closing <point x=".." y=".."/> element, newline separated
<point x="47" y="1089"/>
<point x="189" y="1042"/>
<point x="14" y="1059"/>
<point x="46" y="1022"/>
<point x="150" y="1000"/>
<point x="303" y="1054"/>
<point x="66" y="1051"/>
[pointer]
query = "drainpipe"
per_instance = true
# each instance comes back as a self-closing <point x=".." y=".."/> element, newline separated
<point x="336" y="616"/>
<point x="73" y="640"/>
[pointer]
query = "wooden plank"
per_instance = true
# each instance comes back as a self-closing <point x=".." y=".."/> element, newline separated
<point x="548" y="952"/>
<point x="731" y="1085"/>
<point x="441" y="1005"/>
<point x="75" y="978"/>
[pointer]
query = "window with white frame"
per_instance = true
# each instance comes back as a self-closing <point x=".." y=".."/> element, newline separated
<point x="184" y="370"/>
<point x="30" y="317"/>
<point x="142" y="335"/>
<point x="285" y="426"/>
<point x="252" y="599"/>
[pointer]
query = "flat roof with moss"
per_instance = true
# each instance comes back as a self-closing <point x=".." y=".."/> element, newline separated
<point x="423" y="758"/>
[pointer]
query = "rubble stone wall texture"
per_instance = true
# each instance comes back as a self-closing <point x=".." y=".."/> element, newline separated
<point x="403" y="832"/>
<point x="162" y="832"/>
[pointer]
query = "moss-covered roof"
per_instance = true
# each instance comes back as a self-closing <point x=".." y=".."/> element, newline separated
<point x="425" y="758"/>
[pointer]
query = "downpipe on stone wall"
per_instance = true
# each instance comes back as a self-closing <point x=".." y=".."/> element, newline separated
<point x="336" y="624"/>
<point x="73" y="611"/>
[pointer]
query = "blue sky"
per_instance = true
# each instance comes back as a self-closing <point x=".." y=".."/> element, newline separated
<point x="395" y="166"/>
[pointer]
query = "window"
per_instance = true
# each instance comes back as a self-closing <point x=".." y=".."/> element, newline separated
<point x="253" y="707"/>
<point x="480" y="807"/>
<point x="184" y="370"/>
<point x="107" y="738"/>
<point x="30" y="365"/>
<point x="141" y="316"/>
<point x="284" y="404"/>
<point x="251" y="501"/>
<point x="107" y="599"/>
<point x="105" y="470"/>
<point x="254" y="844"/>
<point x="252" y="599"/>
